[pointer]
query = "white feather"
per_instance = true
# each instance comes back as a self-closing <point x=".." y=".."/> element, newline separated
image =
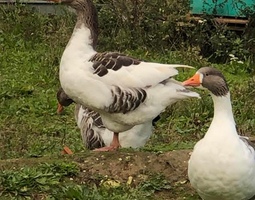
<point x="222" y="166"/>
<point x="84" y="87"/>
<point x="135" y="137"/>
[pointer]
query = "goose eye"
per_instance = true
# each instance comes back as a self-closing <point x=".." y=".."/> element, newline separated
<point x="206" y="74"/>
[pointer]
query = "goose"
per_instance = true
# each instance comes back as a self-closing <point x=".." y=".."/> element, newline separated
<point x="124" y="90"/>
<point x="222" y="164"/>
<point x="93" y="132"/>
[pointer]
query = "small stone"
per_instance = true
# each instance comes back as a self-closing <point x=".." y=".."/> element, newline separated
<point x="128" y="158"/>
<point x="129" y="181"/>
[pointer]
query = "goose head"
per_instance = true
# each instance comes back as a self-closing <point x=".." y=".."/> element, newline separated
<point x="78" y="5"/>
<point x="211" y="79"/>
<point x="63" y="100"/>
<point x="72" y="3"/>
<point x="86" y="15"/>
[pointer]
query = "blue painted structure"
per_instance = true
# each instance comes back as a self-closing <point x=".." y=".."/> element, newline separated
<point x="228" y="8"/>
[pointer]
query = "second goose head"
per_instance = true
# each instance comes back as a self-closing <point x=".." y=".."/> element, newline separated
<point x="63" y="100"/>
<point x="211" y="79"/>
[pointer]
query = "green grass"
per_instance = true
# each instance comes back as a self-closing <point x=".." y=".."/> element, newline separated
<point x="60" y="180"/>
<point x="29" y="61"/>
<point x="26" y="180"/>
<point x="31" y="45"/>
<point x="100" y="193"/>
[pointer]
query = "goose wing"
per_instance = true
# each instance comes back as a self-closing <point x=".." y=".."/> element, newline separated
<point x="114" y="68"/>
<point x="248" y="143"/>
<point x="129" y="78"/>
<point x="91" y="125"/>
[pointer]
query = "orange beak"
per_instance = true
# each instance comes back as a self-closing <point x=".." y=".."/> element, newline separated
<point x="194" y="81"/>
<point x="60" y="109"/>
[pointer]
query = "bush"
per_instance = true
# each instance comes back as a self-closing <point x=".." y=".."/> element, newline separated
<point x="161" y="25"/>
<point x="141" y="23"/>
<point x="152" y="26"/>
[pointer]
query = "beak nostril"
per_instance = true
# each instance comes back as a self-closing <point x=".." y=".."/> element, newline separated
<point x="192" y="79"/>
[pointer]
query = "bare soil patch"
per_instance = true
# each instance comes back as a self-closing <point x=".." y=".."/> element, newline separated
<point x="123" y="167"/>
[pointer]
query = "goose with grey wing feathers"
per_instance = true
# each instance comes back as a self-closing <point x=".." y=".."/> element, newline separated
<point x="93" y="132"/>
<point x="222" y="165"/>
<point x="124" y="90"/>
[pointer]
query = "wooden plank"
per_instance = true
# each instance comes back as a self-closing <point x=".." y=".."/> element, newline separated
<point x="223" y="20"/>
<point x="231" y="21"/>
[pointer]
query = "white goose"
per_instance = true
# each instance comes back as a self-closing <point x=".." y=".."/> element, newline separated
<point x="124" y="90"/>
<point x="222" y="165"/>
<point x="93" y="132"/>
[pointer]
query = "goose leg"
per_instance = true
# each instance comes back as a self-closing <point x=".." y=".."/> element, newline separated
<point x="115" y="144"/>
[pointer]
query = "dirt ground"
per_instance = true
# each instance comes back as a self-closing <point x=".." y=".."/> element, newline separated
<point x="123" y="167"/>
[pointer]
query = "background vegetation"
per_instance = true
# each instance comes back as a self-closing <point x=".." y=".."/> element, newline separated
<point x="31" y="45"/>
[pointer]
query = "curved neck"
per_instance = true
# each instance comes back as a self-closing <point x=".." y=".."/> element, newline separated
<point x="222" y="108"/>
<point x="223" y="123"/>
<point x="87" y="16"/>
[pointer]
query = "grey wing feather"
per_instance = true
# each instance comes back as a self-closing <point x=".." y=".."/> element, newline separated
<point x="125" y="100"/>
<point x="97" y="120"/>
<point x="76" y="111"/>
<point x="91" y="125"/>
<point x="247" y="142"/>
<point x="103" y="62"/>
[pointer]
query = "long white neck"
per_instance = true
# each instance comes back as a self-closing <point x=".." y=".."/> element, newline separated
<point x="223" y="108"/>
<point x="81" y="40"/>
<point x="87" y="16"/>
<point x="85" y="34"/>
<point x="223" y="123"/>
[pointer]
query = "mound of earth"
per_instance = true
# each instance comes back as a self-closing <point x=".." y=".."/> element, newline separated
<point x="124" y="167"/>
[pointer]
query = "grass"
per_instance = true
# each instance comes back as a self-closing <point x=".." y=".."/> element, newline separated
<point x="93" y="192"/>
<point x="60" y="180"/>
<point x="28" y="180"/>
<point x="28" y="84"/>
<point x="31" y="45"/>
<point x="29" y="60"/>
